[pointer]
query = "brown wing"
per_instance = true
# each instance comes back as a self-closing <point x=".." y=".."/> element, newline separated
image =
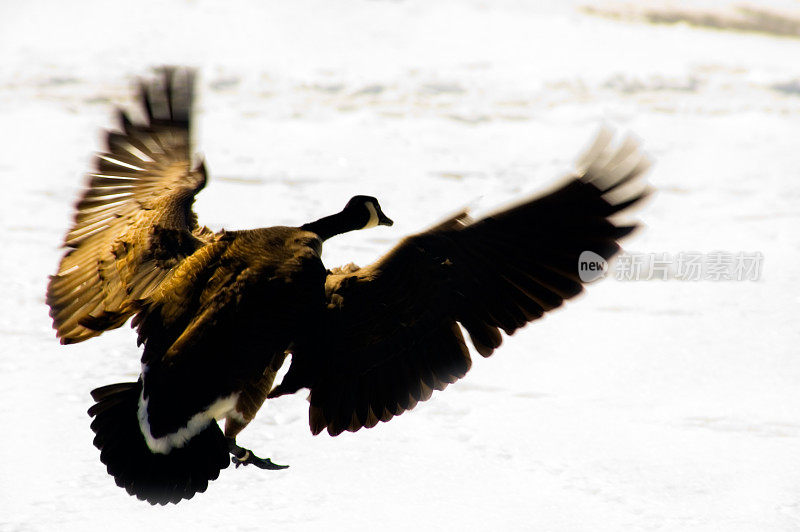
<point x="392" y="331"/>
<point x="134" y="223"/>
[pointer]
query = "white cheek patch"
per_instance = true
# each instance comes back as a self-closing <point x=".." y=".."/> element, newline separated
<point x="197" y="423"/>
<point x="373" y="216"/>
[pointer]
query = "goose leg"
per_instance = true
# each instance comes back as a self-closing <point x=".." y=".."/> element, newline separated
<point x="242" y="456"/>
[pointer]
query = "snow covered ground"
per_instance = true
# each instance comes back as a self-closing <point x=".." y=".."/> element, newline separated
<point x="644" y="405"/>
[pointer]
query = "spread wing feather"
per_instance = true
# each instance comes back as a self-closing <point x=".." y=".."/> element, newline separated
<point x="134" y="222"/>
<point x="392" y="332"/>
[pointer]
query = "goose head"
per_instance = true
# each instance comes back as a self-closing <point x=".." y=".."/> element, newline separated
<point x="365" y="211"/>
<point x="361" y="212"/>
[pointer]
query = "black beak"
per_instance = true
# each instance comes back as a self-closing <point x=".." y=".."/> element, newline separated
<point x="383" y="219"/>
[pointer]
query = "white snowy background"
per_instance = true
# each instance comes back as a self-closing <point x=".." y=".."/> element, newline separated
<point x="643" y="405"/>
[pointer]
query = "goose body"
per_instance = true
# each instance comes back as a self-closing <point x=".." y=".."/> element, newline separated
<point x="217" y="313"/>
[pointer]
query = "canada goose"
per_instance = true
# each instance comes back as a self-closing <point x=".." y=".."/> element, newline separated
<point x="219" y="312"/>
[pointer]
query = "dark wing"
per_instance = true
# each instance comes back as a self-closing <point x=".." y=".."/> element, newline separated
<point x="134" y="223"/>
<point x="392" y="331"/>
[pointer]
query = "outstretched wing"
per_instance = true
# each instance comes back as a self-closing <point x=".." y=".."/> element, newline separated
<point x="392" y="331"/>
<point x="134" y="223"/>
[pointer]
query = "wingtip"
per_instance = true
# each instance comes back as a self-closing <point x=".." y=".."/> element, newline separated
<point x="169" y="96"/>
<point x="124" y="120"/>
<point x="602" y="139"/>
<point x="67" y="340"/>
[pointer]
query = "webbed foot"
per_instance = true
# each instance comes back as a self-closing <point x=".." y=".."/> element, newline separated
<point x="241" y="456"/>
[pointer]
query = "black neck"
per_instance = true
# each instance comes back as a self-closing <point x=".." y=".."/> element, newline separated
<point x="333" y="225"/>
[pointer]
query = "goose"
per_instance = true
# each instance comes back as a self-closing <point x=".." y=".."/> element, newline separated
<point x="217" y="313"/>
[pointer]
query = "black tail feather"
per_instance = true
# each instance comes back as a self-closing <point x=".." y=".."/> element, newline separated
<point x="154" y="477"/>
